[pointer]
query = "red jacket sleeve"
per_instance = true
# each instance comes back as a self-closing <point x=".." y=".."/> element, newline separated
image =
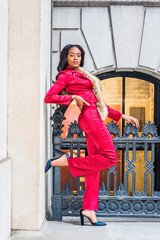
<point x="114" y="114"/>
<point x="52" y="95"/>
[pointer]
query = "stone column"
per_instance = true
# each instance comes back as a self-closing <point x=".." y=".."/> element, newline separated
<point x="28" y="74"/>
<point x="5" y="163"/>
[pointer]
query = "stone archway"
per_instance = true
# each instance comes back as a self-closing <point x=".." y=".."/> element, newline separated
<point x="120" y="38"/>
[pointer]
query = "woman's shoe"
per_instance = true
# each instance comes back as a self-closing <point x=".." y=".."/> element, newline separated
<point x="93" y="223"/>
<point x="48" y="164"/>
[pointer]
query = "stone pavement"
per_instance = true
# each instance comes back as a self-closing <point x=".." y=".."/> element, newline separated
<point x="117" y="229"/>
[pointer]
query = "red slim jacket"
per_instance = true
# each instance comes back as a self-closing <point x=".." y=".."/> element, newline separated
<point x="76" y="84"/>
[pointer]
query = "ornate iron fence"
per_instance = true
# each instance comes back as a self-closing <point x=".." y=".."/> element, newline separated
<point x="122" y="198"/>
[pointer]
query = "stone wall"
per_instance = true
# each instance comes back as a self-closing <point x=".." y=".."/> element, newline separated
<point x="120" y="38"/>
<point x="28" y="76"/>
<point x="5" y="198"/>
<point x="5" y="163"/>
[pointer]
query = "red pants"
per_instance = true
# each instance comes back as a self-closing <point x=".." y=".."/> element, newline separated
<point x="101" y="154"/>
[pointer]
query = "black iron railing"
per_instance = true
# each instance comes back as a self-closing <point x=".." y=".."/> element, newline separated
<point x="119" y="193"/>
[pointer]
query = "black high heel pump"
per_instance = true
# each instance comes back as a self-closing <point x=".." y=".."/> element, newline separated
<point x="93" y="223"/>
<point x="48" y="164"/>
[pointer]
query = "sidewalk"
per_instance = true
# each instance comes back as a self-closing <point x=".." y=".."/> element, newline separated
<point x="117" y="229"/>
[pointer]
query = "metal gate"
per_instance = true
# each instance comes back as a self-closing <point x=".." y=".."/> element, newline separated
<point x="124" y="200"/>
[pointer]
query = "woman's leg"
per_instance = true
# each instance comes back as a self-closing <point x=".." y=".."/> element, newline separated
<point x="105" y="155"/>
<point x="90" y="199"/>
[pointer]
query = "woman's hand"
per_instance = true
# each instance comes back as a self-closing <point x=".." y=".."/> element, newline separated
<point x="80" y="101"/>
<point x="132" y="120"/>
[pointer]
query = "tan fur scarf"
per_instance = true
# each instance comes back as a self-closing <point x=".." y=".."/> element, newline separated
<point x="97" y="89"/>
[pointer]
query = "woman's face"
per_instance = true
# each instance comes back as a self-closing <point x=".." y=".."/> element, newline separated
<point x="74" y="57"/>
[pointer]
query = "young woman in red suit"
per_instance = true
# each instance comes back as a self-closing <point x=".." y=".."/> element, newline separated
<point x="86" y="90"/>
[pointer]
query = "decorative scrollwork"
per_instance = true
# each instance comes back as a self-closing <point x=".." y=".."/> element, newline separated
<point x="116" y="207"/>
<point x="102" y="190"/>
<point x="102" y="206"/>
<point x="121" y="191"/>
<point x="138" y="207"/>
<point x="130" y="129"/>
<point x="57" y="119"/>
<point x="158" y="207"/>
<point x="126" y="206"/>
<point x="139" y="194"/>
<point x="74" y="129"/>
<point x="65" y="189"/>
<point x="130" y="166"/>
<point x="156" y="194"/>
<point x="65" y="204"/>
<point x="113" y="206"/>
<point x="149" y="128"/>
<point x="76" y="204"/>
<point x="150" y="207"/>
<point x="113" y="128"/>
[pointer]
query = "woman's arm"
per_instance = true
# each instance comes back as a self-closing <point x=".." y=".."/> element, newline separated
<point x="80" y="101"/>
<point x="113" y="114"/>
<point x="52" y="95"/>
<point x="132" y="120"/>
<point x="116" y="115"/>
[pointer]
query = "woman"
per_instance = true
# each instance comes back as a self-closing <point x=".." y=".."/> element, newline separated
<point x="86" y="90"/>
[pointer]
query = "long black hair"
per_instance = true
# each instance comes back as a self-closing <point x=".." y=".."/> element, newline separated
<point x="63" y="57"/>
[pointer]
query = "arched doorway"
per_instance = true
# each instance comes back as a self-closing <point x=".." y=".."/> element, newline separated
<point x="136" y="94"/>
<point x="132" y="93"/>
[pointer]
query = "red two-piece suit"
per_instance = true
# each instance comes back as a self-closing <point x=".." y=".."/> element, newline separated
<point x="101" y="151"/>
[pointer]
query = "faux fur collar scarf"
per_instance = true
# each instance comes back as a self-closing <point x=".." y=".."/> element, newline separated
<point x="97" y="90"/>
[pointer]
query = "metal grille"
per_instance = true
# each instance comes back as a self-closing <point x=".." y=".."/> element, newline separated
<point x="124" y="199"/>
